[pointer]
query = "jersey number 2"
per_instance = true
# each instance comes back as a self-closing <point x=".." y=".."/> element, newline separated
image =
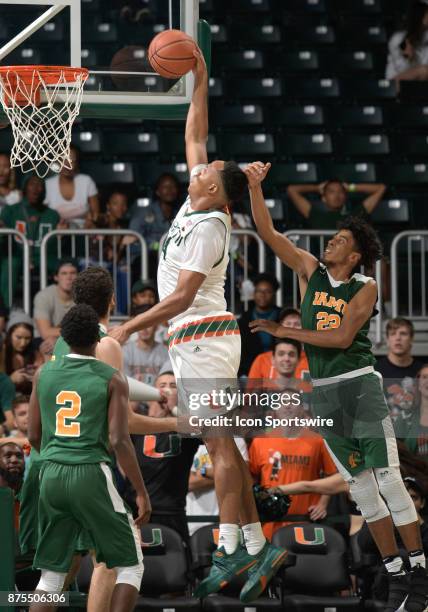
<point x="70" y="403"/>
<point x="327" y="321"/>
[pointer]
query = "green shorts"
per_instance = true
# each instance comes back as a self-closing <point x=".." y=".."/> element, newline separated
<point x="29" y="515"/>
<point x="362" y="435"/>
<point x="73" y="497"/>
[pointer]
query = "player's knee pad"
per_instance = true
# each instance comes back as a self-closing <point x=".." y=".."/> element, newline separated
<point x="132" y="575"/>
<point x="397" y="497"/>
<point x="365" y="492"/>
<point x="51" y="582"/>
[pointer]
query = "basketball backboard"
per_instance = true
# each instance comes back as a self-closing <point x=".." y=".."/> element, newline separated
<point x="110" y="38"/>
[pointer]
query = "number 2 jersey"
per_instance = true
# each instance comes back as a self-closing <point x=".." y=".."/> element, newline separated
<point x="73" y="394"/>
<point x="322" y="308"/>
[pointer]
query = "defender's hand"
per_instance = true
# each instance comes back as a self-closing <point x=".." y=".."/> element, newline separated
<point x="120" y="333"/>
<point x="256" y="173"/>
<point x="271" y="327"/>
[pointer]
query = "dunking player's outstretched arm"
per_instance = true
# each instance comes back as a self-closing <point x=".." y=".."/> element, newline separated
<point x="358" y="311"/>
<point x="197" y="118"/>
<point x="302" y="262"/>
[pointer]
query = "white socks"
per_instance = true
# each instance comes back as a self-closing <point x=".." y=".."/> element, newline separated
<point x="254" y="538"/>
<point x="228" y="537"/>
<point x="417" y="557"/>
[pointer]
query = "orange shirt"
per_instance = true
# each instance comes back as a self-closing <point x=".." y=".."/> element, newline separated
<point x="276" y="461"/>
<point x="262" y="367"/>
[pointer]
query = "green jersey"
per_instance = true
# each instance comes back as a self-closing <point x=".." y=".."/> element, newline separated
<point x="73" y="394"/>
<point x="61" y="348"/>
<point x="323" y="307"/>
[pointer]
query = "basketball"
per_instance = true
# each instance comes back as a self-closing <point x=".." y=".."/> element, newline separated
<point x="171" y="53"/>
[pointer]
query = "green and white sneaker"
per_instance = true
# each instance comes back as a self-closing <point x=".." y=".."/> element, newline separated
<point x="269" y="560"/>
<point x="223" y="569"/>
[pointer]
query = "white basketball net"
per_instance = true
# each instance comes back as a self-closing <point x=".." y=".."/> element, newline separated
<point x="41" y="105"/>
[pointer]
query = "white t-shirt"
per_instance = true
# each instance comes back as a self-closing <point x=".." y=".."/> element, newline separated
<point x="77" y="207"/>
<point x="13" y="197"/>
<point x="205" y="502"/>
<point x="397" y="63"/>
<point x="197" y="241"/>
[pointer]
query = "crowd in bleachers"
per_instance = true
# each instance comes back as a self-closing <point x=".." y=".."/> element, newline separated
<point x="313" y="100"/>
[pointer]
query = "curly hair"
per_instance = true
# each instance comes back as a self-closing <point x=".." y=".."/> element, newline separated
<point x="79" y="327"/>
<point x="368" y="244"/>
<point x="234" y="181"/>
<point x="94" y="286"/>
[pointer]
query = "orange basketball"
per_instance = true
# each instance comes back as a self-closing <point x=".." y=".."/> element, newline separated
<point x="171" y="53"/>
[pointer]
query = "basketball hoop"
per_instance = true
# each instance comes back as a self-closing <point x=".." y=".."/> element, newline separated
<point x="41" y="103"/>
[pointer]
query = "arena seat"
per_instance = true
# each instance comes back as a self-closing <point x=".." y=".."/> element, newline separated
<point x="361" y="172"/>
<point x="308" y="115"/>
<point x="305" y="145"/>
<point x="415" y="174"/>
<point x="243" y="6"/>
<point x="246" y="114"/>
<point x="53" y="31"/>
<point x="111" y="172"/>
<point x="172" y="143"/>
<point x="299" y="61"/>
<point x="88" y="141"/>
<point x="166" y="571"/>
<point x="307" y="6"/>
<point x="320" y="572"/>
<point x="267" y="87"/>
<point x="368" y="35"/>
<point x="256" y="34"/>
<point x="392" y="212"/>
<point x="362" y="145"/>
<point x="411" y="145"/>
<point x="347" y="62"/>
<point x="357" y="7"/>
<point x="284" y="174"/>
<point x="219" y="33"/>
<point x="312" y="34"/>
<point x="215" y="87"/>
<point x="411" y="116"/>
<point x="356" y="116"/>
<point x="98" y="31"/>
<point x="368" y="89"/>
<point x="312" y="88"/>
<point x="128" y="143"/>
<point x="248" y="59"/>
<point x="247" y="144"/>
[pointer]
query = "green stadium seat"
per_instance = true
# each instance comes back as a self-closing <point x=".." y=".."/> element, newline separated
<point x="356" y="116"/>
<point x="306" y="6"/>
<point x="90" y="5"/>
<point x="406" y="174"/>
<point x="305" y="145"/>
<point x="112" y="172"/>
<point x="243" y="6"/>
<point x="219" y="33"/>
<point x="392" y="211"/>
<point x="368" y="88"/>
<point x="311" y="87"/>
<point x="298" y="61"/>
<point x="89" y="58"/>
<point x="256" y="34"/>
<point x="249" y="145"/>
<point x="52" y="31"/>
<point x="361" y="172"/>
<point x="172" y="143"/>
<point x="93" y="83"/>
<point x="411" y="145"/>
<point x="247" y="114"/>
<point x="363" y="145"/>
<point x="295" y="173"/>
<point x="250" y="59"/>
<point x="88" y="141"/>
<point x="215" y="88"/>
<point x="276" y="208"/>
<point x="358" y="7"/>
<point x="254" y="88"/>
<point x="99" y="32"/>
<point x="24" y="55"/>
<point x="312" y="34"/>
<point x="137" y="142"/>
<point x="205" y="6"/>
<point x="363" y="35"/>
<point x="411" y="116"/>
<point x="352" y="61"/>
<point x="299" y="116"/>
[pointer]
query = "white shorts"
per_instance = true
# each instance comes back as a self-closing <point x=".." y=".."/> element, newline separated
<point x="205" y="356"/>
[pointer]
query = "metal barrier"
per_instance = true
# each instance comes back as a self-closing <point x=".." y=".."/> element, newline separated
<point x="417" y="249"/>
<point x="14" y="234"/>
<point x="303" y="238"/>
<point x="261" y="260"/>
<point x="100" y="235"/>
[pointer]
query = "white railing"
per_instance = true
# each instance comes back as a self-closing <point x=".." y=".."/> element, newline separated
<point x="303" y="240"/>
<point x="96" y="257"/>
<point x="416" y="251"/>
<point x="13" y="234"/>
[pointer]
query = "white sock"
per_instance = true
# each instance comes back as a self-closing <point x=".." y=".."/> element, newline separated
<point x="394" y="565"/>
<point x="417" y="557"/>
<point x="228" y="537"/>
<point x="253" y="537"/>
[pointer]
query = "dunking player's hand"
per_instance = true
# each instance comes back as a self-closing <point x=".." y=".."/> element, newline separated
<point x="200" y="69"/>
<point x="119" y="333"/>
<point x="271" y="327"/>
<point x="256" y="173"/>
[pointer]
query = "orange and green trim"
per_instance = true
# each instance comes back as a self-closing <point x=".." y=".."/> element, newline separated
<point x="204" y="328"/>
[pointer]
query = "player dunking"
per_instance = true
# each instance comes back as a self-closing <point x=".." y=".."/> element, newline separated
<point x="79" y="405"/>
<point x="337" y="304"/>
<point x="205" y="343"/>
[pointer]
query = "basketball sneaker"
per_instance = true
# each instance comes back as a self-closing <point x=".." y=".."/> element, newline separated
<point x="418" y="592"/>
<point x="398" y="592"/>
<point x="269" y="560"/>
<point x="223" y="569"/>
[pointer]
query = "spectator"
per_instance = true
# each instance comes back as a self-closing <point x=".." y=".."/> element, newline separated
<point x="144" y="292"/>
<point x="300" y="454"/>
<point x="153" y="221"/>
<point x="263" y="366"/>
<point x="263" y="307"/>
<point x="20" y="360"/>
<point x="3" y="316"/>
<point x="399" y="368"/>
<point x="9" y="194"/>
<point x="34" y="219"/>
<point x="412" y="425"/>
<point x="7" y="395"/>
<point x="165" y="460"/>
<point x="51" y="304"/>
<point x="20" y="406"/>
<point x="201" y="499"/>
<point x="334" y="201"/>
<point x="144" y="357"/>
<point x="12" y="469"/>
<point x="408" y="48"/>
<point x="72" y="195"/>
<point x="285" y="357"/>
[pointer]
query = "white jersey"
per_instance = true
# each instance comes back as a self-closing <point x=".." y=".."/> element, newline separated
<point x="197" y="241"/>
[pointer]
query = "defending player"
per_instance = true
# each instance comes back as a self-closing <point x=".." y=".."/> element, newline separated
<point x="337" y="304"/>
<point x="78" y="406"/>
<point x="204" y="340"/>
